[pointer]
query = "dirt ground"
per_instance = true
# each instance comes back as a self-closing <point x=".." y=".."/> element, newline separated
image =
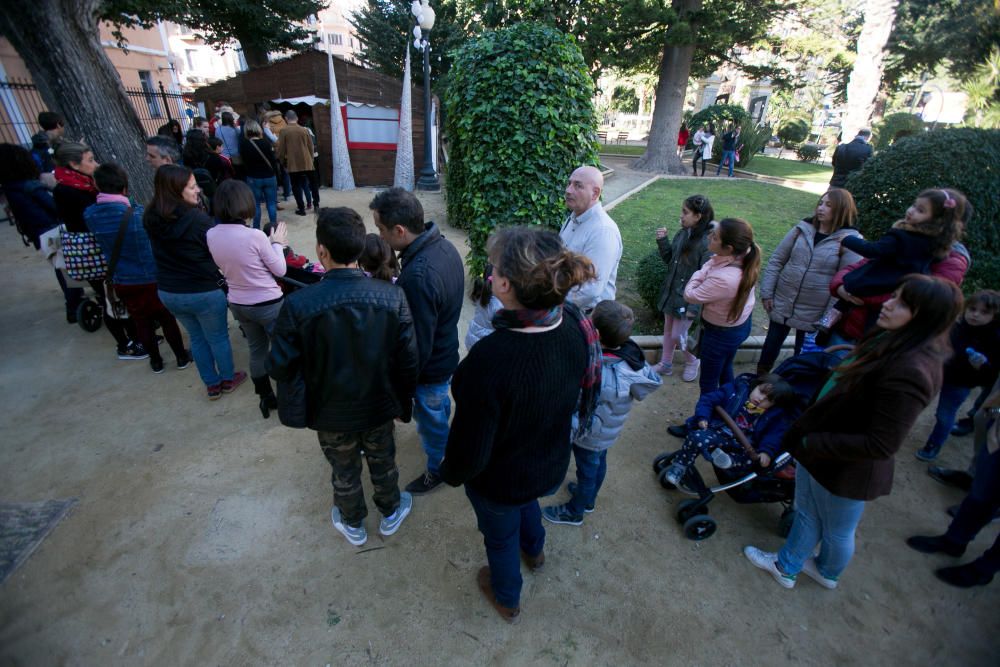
<point x="202" y="537"/>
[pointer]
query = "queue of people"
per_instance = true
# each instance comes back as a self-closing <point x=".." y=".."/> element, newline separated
<point x="551" y="369"/>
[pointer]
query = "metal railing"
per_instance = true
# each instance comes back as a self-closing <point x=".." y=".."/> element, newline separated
<point x="21" y="102"/>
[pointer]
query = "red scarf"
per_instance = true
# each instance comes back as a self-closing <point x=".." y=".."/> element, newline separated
<point x="74" y="179"/>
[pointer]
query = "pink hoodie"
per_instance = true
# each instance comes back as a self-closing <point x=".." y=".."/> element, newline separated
<point x="715" y="285"/>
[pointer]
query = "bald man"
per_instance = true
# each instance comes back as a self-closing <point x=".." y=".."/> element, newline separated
<point x="591" y="232"/>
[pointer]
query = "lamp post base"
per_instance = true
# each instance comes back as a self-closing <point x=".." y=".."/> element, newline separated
<point x="429" y="182"/>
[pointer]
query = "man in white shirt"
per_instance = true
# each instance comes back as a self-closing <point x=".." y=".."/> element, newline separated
<point x="591" y="232"/>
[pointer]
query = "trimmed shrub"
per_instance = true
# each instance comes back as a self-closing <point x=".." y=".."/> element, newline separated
<point x="649" y="278"/>
<point x="808" y="151"/>
<point x="520" y="119"/>
<point x="967" y="159"/>
<point x="719" y="114"/>
<point x="896" y="126"/>
<point x="753" y="137"/>
<point x="793" y="130"/>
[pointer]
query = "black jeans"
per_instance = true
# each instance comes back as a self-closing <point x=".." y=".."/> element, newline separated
<point x="776" y="335"/>
<point x="694" y="162"/>
<point x="978" y="508"/>
<point x="123" y="331"/>
<point x="302" y="180"/>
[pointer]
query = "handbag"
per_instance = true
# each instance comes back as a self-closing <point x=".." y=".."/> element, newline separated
<point x="114" y="306"/>
<point x="82" y="255"/>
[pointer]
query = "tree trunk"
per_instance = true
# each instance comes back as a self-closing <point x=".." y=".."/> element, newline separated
<point x="866" y="77"/>
<point x="58" y="41"/>
<point x="668" y="106"/>
<point x="255" y="55"/>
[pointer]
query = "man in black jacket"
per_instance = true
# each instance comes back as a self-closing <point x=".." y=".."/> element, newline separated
<point x="350" y="340"/>
<point x="850" y="157"/>
<point x="433" y="278"/>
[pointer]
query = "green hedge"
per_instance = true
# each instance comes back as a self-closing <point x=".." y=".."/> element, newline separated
<point x="793" y="130"/>
<point x="520" y="119"/>
<point x="808" y="151"/>
<point x="896" y="126"/>
<point x="966" y="159"/>
<point x="650" y="275"/>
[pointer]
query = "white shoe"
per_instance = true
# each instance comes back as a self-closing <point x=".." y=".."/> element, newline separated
<point x="390" y="524"/>
<point x="691" y="370"/>
<point x="810" y="568"/>
<point x="356" y="536"/>
<point x="768" y="562"/>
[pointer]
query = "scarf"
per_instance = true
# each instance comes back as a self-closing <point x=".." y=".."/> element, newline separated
<point x="590" y="384"/>
<point x="74" y="179"/>
<point x="105" y="198"/>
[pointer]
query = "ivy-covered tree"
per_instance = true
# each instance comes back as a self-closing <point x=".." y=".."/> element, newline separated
<point x="259" y="27"/>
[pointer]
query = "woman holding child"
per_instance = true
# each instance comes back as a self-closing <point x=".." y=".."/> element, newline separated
<point x="795" y="287"/>
<point x="515" y="397"/>
<point x="845" y="442"/>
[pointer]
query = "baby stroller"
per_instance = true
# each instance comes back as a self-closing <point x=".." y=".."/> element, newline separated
<point x="774" y="484"/>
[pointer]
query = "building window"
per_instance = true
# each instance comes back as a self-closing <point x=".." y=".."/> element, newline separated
<point x="335" y="39"/>
<point x="146" y="83"/>
<point x="189" y="57"/>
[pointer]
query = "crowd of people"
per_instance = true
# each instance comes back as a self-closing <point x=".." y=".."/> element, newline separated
<point x="550" y="369"/>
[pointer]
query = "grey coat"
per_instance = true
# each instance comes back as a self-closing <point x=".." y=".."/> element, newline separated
<point x="620" y="385"/>
<point x="798" y="275"/>
<point x="680" y="268"/>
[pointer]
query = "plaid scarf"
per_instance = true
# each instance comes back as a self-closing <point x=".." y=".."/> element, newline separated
<point x="590" y="385"/>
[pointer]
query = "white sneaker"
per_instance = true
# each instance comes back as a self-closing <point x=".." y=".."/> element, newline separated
<point x="356" y="536"/>
<point x="810" y="568"/>
<point x="390" y="524"/>
<point x="768" y="562"/>
<point x="691" y="370"/>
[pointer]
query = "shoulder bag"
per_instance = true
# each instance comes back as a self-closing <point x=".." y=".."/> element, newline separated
<point x="82" y="255"/>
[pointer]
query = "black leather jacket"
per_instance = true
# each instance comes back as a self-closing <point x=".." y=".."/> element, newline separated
<point x="349" y="339"/>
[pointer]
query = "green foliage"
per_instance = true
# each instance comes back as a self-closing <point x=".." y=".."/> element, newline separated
<point x="649" y="277"/>
<point x="753" y="137"/>
<point x="793" y="130"/>
<point x="966" y="159"/>
<point x="278" y="26"/>
<point x="520" y="119"/>
<point x="625" y="100"/>
<point x="808" y="151"/>
<point x="896" y="126"/>
<point x="719" y="115"/>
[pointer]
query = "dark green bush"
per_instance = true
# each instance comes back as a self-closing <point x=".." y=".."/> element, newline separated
<point x="793" y="130"/>
<point x="520" y="119"/>
<point x="719" y="115"/>
<point x="753" y="137"/>
<point x="649" y="278"/>
<point x="896" y="126"/>
<point x="966" y="159"/>
<point x="808" y="151"/>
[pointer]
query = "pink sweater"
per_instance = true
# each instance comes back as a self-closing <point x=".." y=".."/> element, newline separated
<point x="715" y="285"/>
<point x="248" y="261"/>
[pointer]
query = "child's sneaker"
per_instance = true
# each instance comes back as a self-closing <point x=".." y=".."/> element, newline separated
<point x="229" y="386"/>
<point x="691" y="370"/>
<point x="768" y="562"/>
<point x="184" y="361"/>
<point x="214" y="392"/>
<point x="664" y="368"/>
<point x="674" y="474"/>
<point x="571" y="487"/>
<point x="133" y="352"/>
<point x="561" y="514"/>
<point x="390" y="524"/>
<point x="809" y="567"/>
<point x="355" y="535"/>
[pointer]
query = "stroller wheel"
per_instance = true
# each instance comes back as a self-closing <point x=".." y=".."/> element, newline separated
<point x="786" y="521"/>
<point x="662" y="461"/>
<point x="699" y="527"/>
<point x="687" y="509"/>
<point x="89" y="316"/>
<point x="663" y="480"/>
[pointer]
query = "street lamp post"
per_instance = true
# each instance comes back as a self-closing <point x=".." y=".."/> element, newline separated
<point x="425" y="21"/>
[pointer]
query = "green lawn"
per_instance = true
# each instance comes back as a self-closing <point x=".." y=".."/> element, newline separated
<point x="771" y="209"/>
<point x="802" y="171"/>
<point x="622" y="149"/>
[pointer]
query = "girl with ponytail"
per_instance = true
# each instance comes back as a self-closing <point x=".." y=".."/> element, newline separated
<point x="518" y="395"/>
<point x="724" y="286"/>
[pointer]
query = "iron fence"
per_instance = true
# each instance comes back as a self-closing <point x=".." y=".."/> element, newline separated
<point x="20" y="104"/>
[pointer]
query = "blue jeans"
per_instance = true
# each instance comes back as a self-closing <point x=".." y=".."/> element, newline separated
<point x="727" y="156"/>
<point x="824" y="518"/>
<point x="431" y="410"/>
<point x="265" y="191"/>
<point x="507" y="529"/>
<point x="591" y="467"/>
<point x="717" y="351"/>
<point x="949" y="401"/>
<point x="205" y="317"/>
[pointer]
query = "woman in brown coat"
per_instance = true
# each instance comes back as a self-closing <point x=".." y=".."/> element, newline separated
<point x="845" y="442"/>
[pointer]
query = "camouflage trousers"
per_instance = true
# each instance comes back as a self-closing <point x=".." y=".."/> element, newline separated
<point x="344" y="451"/>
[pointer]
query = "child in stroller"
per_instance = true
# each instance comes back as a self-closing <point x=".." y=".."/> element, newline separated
<point x="747" y="483"/>
<point x="758" y="405"/>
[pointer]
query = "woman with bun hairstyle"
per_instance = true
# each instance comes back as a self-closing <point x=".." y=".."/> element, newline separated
<point x="845" y="443"/>
<point x="517" y="396"/>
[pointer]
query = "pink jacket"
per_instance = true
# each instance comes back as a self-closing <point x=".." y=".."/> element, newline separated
<point x="248" y="261"/>
<point x="714" y="286"/>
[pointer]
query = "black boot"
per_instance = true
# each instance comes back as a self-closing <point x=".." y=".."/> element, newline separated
<point x="268" y="401"/>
